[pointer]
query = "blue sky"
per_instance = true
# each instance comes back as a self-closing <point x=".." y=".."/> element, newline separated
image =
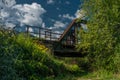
<point x="44" y="13"/>
<point x="55" y="9"/>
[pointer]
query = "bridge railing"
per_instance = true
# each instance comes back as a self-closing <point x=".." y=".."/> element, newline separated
<point x="41" y="33"/>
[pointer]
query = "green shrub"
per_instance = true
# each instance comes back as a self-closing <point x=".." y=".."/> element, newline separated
<point x="23" y="59"/>
<point x="117" y="58"/>
<point x="102" y="39"/>
<point x="7" y="70"/>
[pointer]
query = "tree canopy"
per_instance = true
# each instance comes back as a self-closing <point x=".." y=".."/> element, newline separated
<point x="102" y="41"/>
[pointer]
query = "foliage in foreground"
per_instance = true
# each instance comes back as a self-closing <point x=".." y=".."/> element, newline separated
<point x="102" y="40"/>
<point x="22" y="59"/>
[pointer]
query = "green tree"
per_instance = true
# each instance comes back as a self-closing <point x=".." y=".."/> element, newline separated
<point x="102" y="40"/>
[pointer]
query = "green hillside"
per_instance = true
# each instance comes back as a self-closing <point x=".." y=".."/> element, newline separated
<point x="22" y="59"/>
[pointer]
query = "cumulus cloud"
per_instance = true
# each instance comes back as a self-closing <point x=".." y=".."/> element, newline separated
<point x="6" y="11"/>
<point x="50" y="1"/>
<point x="24" y="14"/>
<point x="29" y="14"/>
<point x="4" y="14"/>
<point x="10" y="25"/>
<point x="7" y="3"/>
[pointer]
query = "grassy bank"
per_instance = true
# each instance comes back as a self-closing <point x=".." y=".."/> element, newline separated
<point x="23" y="59"/>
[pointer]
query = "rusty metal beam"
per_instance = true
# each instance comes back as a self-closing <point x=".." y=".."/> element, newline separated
<point x="67" y="29"/>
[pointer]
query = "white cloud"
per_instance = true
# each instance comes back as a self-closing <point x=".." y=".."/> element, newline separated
<point x="84" y="26"/>
<point x="7" y="3"/>
<point x="50" y="1"/>
<point x="80" y="13"/>
<point x="4" y="14"/>
<point x="12" y="13"/>
<point x="68" y="16"/>
<point x="59" y="24"/>
<point x="30" y="14"/>
<point x="30" y="29"/>
<point x="43" y="25"/>
<point x="59" y="27"/>
<point x="9" y="25"/>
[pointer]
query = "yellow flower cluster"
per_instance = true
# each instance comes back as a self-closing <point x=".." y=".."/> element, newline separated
<point x="41" y="46"/>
